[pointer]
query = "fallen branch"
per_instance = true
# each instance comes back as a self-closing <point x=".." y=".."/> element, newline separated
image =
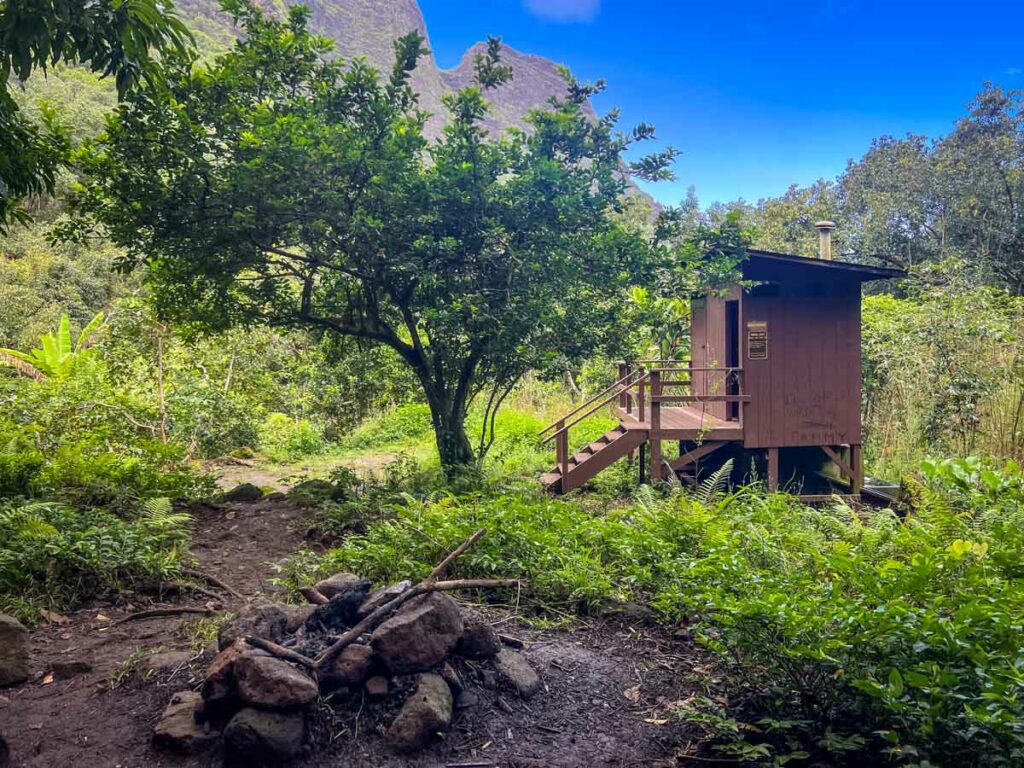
<point x="448" y="586"/>
<point x="177" y="586"/>
<point x="210" y="579"/>
<point x="429" y="584"/>
<point x="154" y="613"/>
<point x="313" y="595"/>
<point x="280" y="651"/>
<point x="441" y="567"/>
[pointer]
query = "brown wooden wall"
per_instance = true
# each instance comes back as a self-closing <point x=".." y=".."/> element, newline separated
<point x="707" y="333"/>
<point x="807" y="391"/>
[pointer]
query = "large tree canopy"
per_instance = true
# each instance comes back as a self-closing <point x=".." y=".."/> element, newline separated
<point x="112" y="37"/>
<point x="279" y="186"/>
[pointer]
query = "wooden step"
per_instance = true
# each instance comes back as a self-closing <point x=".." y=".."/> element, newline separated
<point x="552" y="481"/>
<point x="592" y="449"/>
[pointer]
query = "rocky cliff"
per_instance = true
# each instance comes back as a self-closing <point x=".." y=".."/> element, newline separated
<point x="369" y="28"/>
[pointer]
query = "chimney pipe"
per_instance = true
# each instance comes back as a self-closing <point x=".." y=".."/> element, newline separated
<point x="825" y="239"/>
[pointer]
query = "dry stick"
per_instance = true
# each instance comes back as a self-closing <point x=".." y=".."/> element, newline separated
<point x="280" y="651"/>
<point x="313" y="595"/>
<point x="178" y="586"/>
<point x="441" y="567"/>
<point x="376" y="618"/>
<point x="157" y="612"/>
<point x="448" y="586"/>
<point x="214" y="581"/>
<point x="385" y="610"/>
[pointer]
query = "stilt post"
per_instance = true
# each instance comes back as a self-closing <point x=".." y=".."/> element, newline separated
<point x="773" y="469"/>
<point x="655" y="434"/>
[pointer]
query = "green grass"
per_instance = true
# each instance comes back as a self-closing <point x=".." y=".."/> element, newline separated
<point x="868" y="637"/>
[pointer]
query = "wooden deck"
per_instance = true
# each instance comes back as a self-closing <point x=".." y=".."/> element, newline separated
<point x="685" y="423"/>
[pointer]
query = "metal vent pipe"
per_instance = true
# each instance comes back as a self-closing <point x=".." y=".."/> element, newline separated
<point x="825" y="239"/>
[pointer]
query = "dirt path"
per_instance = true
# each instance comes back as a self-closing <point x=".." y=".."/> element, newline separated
<point x="608" y="686"/>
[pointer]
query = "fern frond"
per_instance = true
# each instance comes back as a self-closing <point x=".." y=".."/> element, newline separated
<point x="159" y="514"/>
<point x="714" y="484"/>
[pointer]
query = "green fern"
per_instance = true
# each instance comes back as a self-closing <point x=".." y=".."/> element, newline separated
<point x="158" y="515"/>
<point x="714" y="484"/>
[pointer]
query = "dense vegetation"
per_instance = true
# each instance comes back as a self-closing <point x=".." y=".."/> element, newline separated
<point x="281" y="335"/>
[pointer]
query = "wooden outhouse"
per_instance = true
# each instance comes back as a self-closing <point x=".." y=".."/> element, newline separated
<point x="773" y="382"/>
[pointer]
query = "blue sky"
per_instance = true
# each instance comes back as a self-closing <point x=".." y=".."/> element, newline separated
<point x="759" y="95"/>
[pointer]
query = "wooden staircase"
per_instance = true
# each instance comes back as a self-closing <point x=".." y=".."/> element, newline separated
<point x="599" y="455"/>
<point x="643" y="400"/>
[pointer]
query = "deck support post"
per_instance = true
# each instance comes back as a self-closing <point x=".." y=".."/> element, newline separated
<point x="857" y="464"/>
<point x="773" y="469"/>
<point x="642" y="464"/>
<point x="655" y="434"/>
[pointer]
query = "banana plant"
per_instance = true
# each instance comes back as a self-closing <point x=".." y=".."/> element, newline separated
<point x="58" y="355"/>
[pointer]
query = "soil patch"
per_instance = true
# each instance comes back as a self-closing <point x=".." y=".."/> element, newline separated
<point x="607" y="687"/>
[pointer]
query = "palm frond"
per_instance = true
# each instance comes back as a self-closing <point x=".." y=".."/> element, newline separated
<point x="87" y="332"/>
<point x="20" y="362"/>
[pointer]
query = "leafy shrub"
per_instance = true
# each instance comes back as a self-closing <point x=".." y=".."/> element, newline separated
<point x="285" y="439"/>
<point x="17" y="471"/>
<point x="85" y="473"/>
<point x="859" y="637"/>
<point x="54" y="555"/>
<point x="404" y="425"/>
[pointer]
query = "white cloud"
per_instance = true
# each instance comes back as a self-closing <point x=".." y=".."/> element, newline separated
<point x="1013" y="70"/>
<point x="564" y="11"/>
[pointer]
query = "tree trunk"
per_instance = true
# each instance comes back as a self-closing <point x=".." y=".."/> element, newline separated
<point x="453" y="446"/>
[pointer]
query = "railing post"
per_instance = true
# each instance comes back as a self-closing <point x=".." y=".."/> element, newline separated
<point x="562" y="450"/>
<point x="640" y="399"/>
<point x="655" y="433"/>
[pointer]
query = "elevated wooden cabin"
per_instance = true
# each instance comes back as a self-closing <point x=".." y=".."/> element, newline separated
<point x="773" y="382"/>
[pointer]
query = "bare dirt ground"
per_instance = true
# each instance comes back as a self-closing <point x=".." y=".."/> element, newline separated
<point x="608" y="686"/>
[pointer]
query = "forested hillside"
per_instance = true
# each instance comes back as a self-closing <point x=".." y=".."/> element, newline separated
<point x="270" y="313"/>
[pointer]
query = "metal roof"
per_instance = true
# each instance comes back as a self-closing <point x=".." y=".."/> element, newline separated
<point x="762" y="265"/>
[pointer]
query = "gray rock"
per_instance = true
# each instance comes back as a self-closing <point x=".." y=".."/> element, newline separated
<point x="295" y="615"/>
<point x="467" y="700"/>
<point x="479" y="639"/>
<point x="351" y="668"/>
<point x="178" y="730"/>
<point x="165" y="661"/>
<point x="420" y="635"/>
<point x="14" y="651"/>
<point x="219" y="686"/>
<point x="243" y="492"/>
<point x="265" y="621"/>
<point x="452" y="678"/>
<point x="378" y="597"/>
<point x="311" y="491"/>
<point x="338" y="584"/>
<point x="265" y="737"/>
<point x="272" y="683"/>
<point x="424" y="716"/>
<point x="515" y="669"/>
<point x="377" y="688"/>
<point x="65" y="670"/>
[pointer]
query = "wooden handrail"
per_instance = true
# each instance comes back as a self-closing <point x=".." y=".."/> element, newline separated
<point x="584" y="405"/>
<point x="566" y="424"/>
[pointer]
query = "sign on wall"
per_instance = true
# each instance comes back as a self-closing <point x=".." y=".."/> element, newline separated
<point x="757" y="340"/>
